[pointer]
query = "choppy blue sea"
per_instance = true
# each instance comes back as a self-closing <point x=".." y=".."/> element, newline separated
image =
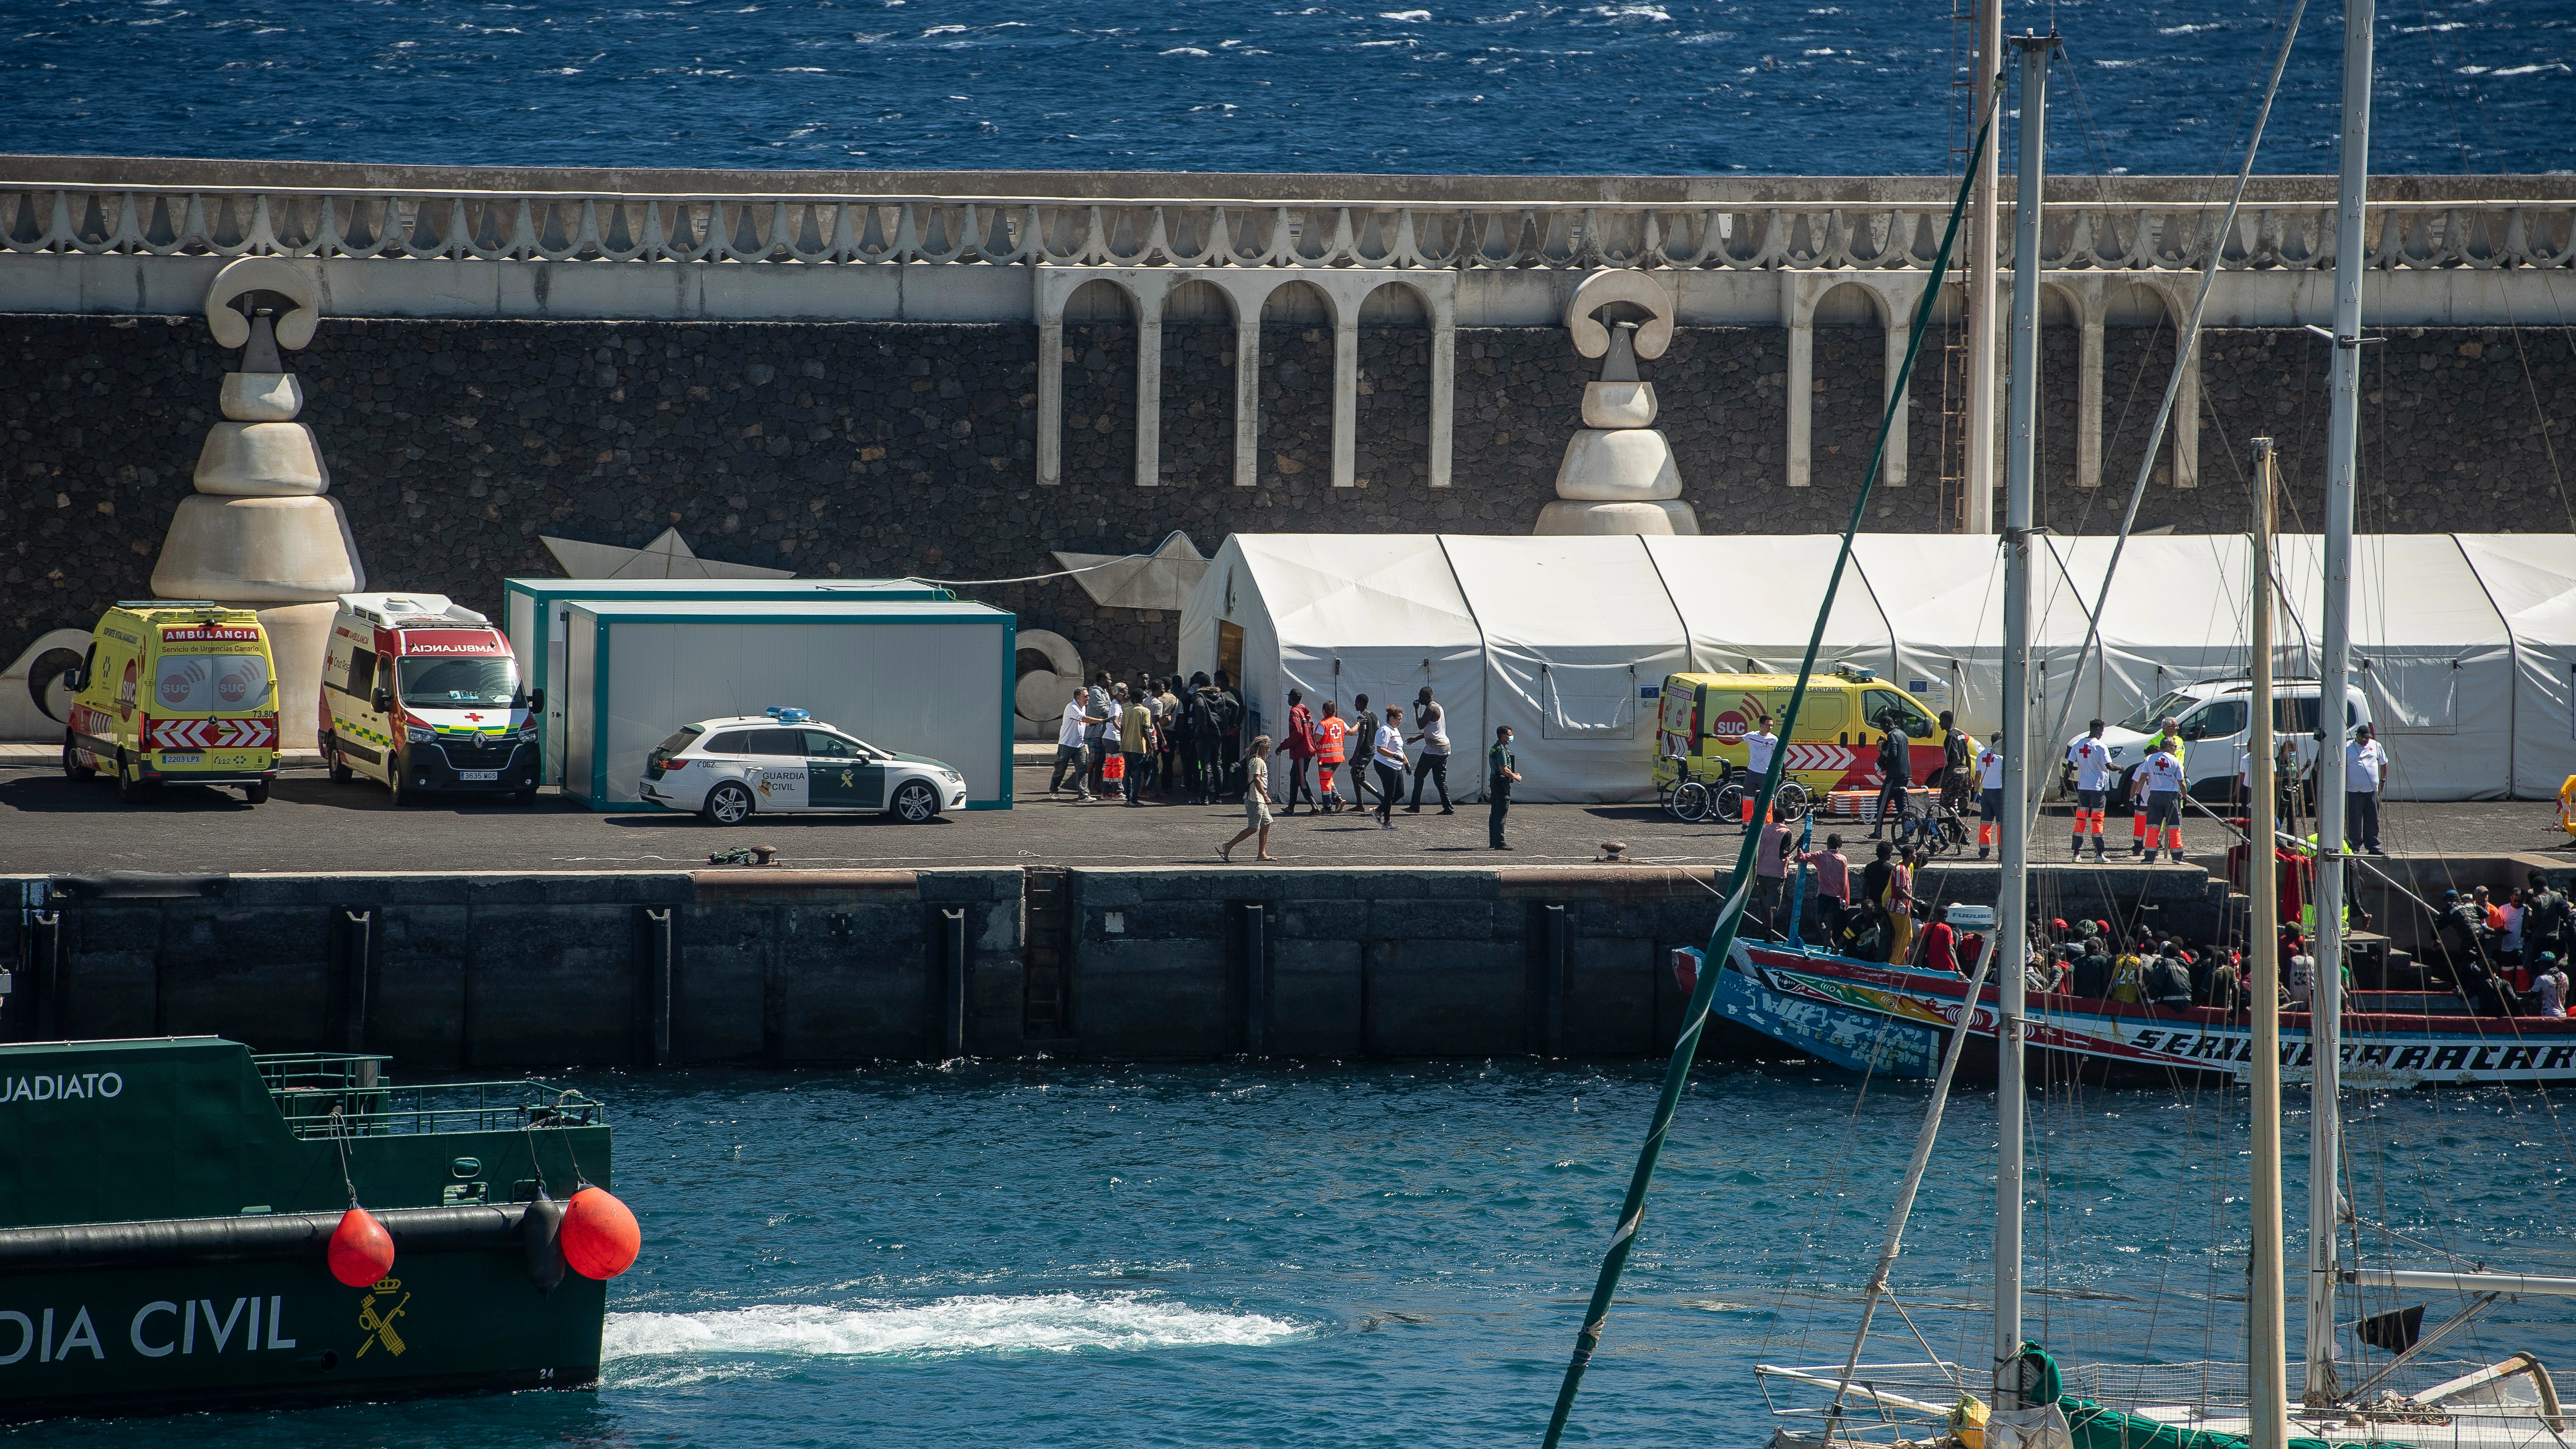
<point x="1387" y="1256"/>
<point x="1439" y="86"/>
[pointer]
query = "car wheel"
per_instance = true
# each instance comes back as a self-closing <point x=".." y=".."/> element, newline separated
<point x="73" y="769"/>
<point x="394" y="786"/>
<point x="727" y="804"/>
<point x="255" y="794"/>
<point x="341" y="774"/>
<point x="130" y="786"/>
<point x="916" y="802"/>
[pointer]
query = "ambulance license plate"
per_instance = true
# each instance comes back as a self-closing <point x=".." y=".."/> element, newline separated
<point x="168" y="759"/>
<point x="474" y="775"/>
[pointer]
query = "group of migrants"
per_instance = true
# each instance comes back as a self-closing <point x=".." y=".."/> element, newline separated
<point x="2503" y="957"/>
<point x="2508" y="956"/>
<point x="1169" y="738"/>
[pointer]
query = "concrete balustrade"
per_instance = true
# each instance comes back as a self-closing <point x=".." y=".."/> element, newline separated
<point x="122" y="235"/>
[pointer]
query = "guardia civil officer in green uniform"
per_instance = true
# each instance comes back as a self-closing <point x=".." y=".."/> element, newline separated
<point x="1499" y="778"/>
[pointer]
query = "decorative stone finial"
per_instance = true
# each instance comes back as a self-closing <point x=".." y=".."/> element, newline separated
<point x="259" y="531"/>
<point x="1618" y="475"/>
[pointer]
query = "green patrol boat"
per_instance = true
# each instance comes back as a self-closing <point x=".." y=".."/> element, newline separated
<point x="169" y="1202"/>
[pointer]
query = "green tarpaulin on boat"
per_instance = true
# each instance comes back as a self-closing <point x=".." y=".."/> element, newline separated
<point x="2096" y="1427"/>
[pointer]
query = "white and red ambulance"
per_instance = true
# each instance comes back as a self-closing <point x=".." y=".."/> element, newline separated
<point x="424" y="694"/>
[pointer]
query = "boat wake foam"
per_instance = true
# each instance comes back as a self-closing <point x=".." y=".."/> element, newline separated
<point x="1044" y="1323"/>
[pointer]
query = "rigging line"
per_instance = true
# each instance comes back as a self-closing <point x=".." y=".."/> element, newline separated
<point x="2186" y="341"/>
<point x="1153" y="552"/>
<point x="1721" y="945"/>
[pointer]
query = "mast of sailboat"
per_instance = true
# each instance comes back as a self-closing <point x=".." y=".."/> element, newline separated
<point x="1979" y="480"/>
<point x="2266" y="1334"/>
<point x="2012" y="729"/>
<point x="2325" y="1004"/>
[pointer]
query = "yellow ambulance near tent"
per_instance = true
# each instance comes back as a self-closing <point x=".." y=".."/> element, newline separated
<point x="1705" y="718"/>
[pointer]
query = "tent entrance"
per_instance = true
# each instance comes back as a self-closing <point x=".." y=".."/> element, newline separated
<point x="1229" y="651"/>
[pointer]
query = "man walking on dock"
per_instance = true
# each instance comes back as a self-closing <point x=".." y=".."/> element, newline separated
<point x="1501" y="773"/>
<point x="1434" y="764"/>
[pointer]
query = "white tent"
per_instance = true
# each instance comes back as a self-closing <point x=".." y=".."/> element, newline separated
<point x="2180" y="614"/>
<point x="1579" y="634"/>
<point x="1749" y="603"/>
<point x="2530" y="578"/>
<point x="2429" y="652"/>
<point x="1944" y="599"/>
<point x="1337" y="616"/>
<point x="2465" y="646"/>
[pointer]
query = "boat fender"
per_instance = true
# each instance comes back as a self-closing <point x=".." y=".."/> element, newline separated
<point x="600" y="1237"/>
<point x="361" y="1251"/>
<point x="1968" y="1422"/>
<point x="540" y="1232"/>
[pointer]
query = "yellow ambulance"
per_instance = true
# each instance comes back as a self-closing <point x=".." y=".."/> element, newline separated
<point x="175" y="692"/>
<point x="1705" y="718"/>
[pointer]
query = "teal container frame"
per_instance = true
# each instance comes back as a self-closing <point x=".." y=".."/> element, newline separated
<point x="538" y="666"/>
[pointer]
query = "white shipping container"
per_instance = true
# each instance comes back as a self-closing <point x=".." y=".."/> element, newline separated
<point x="919" y="676"/>
<point x="532" y="615"/>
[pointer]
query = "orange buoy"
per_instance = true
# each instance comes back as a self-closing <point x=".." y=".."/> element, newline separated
<point x="362" y="1252"/>
<point x="599" y="1236"/>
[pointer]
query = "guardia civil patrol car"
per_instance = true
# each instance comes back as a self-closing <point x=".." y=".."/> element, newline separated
<point x="784" y="761"/>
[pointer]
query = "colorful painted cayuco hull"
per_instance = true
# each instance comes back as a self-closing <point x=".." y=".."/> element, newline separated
<point x="1894" y="1021"/>
<point x="168" y="1204"/>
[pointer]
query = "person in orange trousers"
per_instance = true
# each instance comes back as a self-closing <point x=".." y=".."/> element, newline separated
<point x="1331" y="734"/>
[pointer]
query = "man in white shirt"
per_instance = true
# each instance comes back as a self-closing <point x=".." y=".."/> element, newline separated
<point x="2365" y="765"/>
<point x="1072" y="749"/>
<point x="1990" y="794"/>
<point x="2159" y="780"/>
<point x="1760" y="745"/>
<point x="2093" y="775"/>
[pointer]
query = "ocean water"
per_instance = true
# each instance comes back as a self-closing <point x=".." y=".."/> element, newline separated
<point x="1388" y="1256"/>
<point x="1627" y="86"/>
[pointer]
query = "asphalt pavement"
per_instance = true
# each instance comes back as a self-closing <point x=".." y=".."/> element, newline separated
<point x="49" y="824"/>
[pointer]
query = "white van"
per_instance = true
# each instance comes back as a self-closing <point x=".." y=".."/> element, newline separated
<point x="2215" y="716"/>
<point x="423" y="694"/>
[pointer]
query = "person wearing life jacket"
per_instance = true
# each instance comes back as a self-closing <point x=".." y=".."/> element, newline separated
<point x="1331" y="733"/>
<point x="1990" y="793"/>
<point x="2168" y="740"/>
<point x="2093" y="775"/>
<point x="2159" y="787"/>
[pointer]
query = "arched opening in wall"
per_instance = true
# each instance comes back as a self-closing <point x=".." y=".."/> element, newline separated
<point x="1393" y="448"/>
<point x="2137" y="360"/>
<point x="1296" y="387"/>
<point x="1850" y="388"/>
<point x="1198" y="386"/>
<point x="1099" y="386"/>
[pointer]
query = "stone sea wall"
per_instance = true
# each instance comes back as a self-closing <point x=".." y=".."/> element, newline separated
<point x="868" y="449"/>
